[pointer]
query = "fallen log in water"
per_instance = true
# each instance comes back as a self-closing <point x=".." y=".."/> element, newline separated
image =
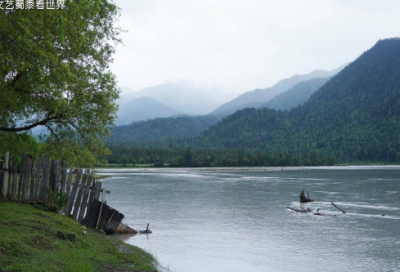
<point x="297" y="210"/>
<point x="124" y="229"/>
<point x="337" y="207"/>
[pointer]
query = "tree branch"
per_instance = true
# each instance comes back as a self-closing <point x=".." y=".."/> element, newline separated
<point x="52" y="132"/>
<point x="13" y="40"/>
<point x="40" y="123"/>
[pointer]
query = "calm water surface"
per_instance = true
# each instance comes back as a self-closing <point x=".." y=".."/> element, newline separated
<point x="236" y="220"/>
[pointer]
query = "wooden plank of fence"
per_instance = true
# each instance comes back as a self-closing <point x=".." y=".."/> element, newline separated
<point x="54" y="175"/>
<point x="2" y="182"/>
<point x="63" y="177"/>
<point x="14" y="182"/>
<point x="10" y="189"/>
<point x="79" y="197"/>
<point x="71" y="199"/>
<point x="92" y="190"/>
<point x="9" y="181"/>
<point x="45" y="178"/>
<point x="84" y="199"/>
<point x="5" y="175"/>
<point x="26" y="178"/>
<point x="39" y="170"/>
<point x="33" y="175"/>
<point x="68" y="189"/>
<point x="21" y="175"/>
<point x="97" y="191"/>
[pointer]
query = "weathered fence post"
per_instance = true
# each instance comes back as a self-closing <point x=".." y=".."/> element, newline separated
<point x="92" y="190"/>
<point x="26" y="178"/>
<point x="6" y="174"/>
<point x="79" y="197"/>
<point x="33" y="175"/>
<point x="21" y="175"/>
<point x="54" y="175"/>
<point x="13" y="181"/>
<point x="71" y="199"/>
<point x="45" y="179"/>
<point x="68" y="190"/>
<point x="39" y="171"/>
<point x="2" y="183"/>
<point x="103" y="201"/>
<point x="97" y="191"/>
<point x="84" y="199"/>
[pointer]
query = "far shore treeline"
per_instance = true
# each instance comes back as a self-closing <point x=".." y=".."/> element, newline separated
<point x="181" y="157"/>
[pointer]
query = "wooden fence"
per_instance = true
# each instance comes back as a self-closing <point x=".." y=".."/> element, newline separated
<point x="33" y="178"/>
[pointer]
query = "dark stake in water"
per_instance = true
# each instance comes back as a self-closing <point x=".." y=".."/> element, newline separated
<point x="236" y="220"/>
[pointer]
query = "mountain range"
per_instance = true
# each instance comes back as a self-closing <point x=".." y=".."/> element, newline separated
<point x="143" y="108"/>
<point x="354" y="116"/>
<point x="173" y="97"/>
<point x="258" y="97"/>
<point x="296" y="95"/>
<point x="157" y="129"/>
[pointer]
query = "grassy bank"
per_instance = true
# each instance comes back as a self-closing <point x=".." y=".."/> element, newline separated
<point x="35" y="240"/>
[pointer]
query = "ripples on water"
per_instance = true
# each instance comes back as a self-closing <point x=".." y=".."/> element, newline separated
<point x="237" y="220"/>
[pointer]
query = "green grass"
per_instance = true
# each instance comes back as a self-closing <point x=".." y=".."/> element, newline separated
<point x="35" y="240"/>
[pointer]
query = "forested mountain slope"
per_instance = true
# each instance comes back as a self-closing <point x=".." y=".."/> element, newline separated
<point x="296" y="95"/>
<point x="160" y="131"/>
<point x="354" y="116"/>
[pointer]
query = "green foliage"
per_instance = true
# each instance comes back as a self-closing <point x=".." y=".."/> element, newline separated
<point x="124" y="160"/>
<point x="56" y="200"/>
<point x="55" y="67"/>
<point x="18" y="143"/>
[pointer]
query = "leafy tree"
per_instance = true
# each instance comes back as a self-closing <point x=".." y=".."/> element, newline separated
<point x="55" y="74"/>
<point x="124" y="160"/>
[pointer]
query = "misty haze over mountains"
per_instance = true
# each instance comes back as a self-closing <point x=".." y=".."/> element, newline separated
<point x="173" y="97"/>
<point x="182" y="97"/>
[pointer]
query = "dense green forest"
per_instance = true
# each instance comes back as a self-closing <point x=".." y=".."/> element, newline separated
<point x="186" y="157"/>
<point x="161" y="131"/>
<point x="355" y="116"/>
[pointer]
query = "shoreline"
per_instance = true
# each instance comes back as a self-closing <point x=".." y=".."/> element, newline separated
<point x="249" y="168"/>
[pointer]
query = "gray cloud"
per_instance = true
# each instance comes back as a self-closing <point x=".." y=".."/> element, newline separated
<point x="245" y="45"/>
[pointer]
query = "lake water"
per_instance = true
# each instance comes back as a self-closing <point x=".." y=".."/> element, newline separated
<point x="237" y="220"/>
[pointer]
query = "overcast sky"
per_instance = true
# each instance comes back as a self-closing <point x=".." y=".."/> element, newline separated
<point x="245" y="44"/>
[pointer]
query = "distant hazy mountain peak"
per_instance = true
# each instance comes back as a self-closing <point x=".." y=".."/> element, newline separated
<point x="257" y="97"/>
